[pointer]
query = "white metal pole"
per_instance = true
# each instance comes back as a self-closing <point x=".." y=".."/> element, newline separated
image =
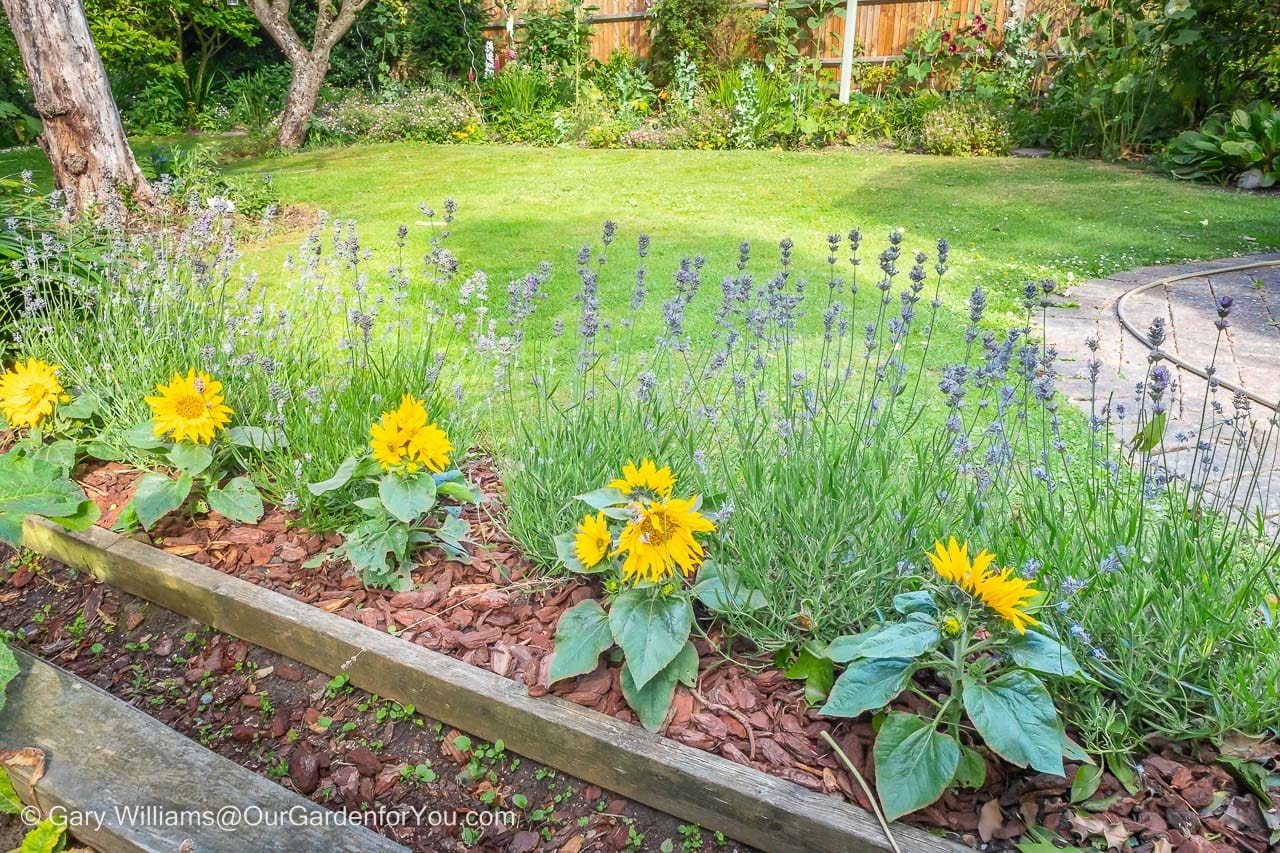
<point x="846" y="49"/>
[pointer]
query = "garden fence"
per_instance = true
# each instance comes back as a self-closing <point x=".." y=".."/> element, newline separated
<point x="884" y="28"/>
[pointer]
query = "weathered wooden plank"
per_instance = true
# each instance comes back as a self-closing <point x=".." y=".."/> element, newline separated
<point x="105" y="759"/>
<point x="745" y="804"/>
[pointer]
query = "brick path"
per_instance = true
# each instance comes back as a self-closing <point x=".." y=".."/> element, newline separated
<point x="1248" y="356"/>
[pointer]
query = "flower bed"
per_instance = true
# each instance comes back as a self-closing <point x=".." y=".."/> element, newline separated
<point x="786" y="575"/>
<point x="496" y="614"/>
<point x="339" y="746"/>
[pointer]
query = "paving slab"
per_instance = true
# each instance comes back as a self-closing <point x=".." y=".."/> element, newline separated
<point x="1245" y="354"/>
<point x="127" y="782"/>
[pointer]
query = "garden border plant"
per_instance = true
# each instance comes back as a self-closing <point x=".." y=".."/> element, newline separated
<point x="825" y="463"/>
<point x="715" y="793"/>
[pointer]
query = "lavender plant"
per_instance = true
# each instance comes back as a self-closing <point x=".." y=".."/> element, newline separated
<point x="308" y="359"/>
<point x="834" y="440"/>
<point x="832" y="427"/>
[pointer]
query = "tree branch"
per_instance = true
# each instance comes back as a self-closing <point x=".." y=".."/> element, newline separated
<point x="346" y="17"/>
<point x="274" y="17"/>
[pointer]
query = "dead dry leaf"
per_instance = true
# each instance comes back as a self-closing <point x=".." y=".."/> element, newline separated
<point x="29" y="757"/>
<point x="989" y="819"/>
<point x="1114" y="834"/>
<point x="1249" y="748"/>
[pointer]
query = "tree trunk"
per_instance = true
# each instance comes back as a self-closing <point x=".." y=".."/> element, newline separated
<point x="304" y="89"/>
<point x="83" y="137"/>
<point x="309" y="64"/>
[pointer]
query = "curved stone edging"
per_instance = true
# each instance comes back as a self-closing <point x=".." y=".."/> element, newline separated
<point x="743" y="803"/>
<point x="1132" y="328"/>
<point x="1111" y="313"/>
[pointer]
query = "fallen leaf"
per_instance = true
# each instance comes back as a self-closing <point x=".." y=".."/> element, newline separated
<point x="1114" y="834"/>
<point x="28" y="757"/>
<point x="989" y="819"/>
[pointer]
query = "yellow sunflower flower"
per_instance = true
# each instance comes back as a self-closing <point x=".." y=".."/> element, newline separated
<point x="591" y="544"/>
<point x="661" y="538"/>
<point x="189" y="408"/>
<point x="647" y="480"/>
<point x="1004" y="593"/>
<point x="28" y="392"/>
<point x="952" y="563"/>
<point x="403" y="440"/>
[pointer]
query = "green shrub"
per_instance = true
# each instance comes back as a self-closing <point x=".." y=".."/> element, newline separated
<point x="193" y="178"/>
<point x="556" y="35"/>
<point x="422" y="115"/>
<point x="623" y="83"/>
<point x="17" y="126"/>
<point x="158" y="108"/>
<point x="520" y="90"/>
<point x="966" y="128"/>
<point x="684" y="26"/>
<point x="904" y="115"/>
<point x="253" y="100"/>
<point x="1244" y="148"/>
<point x="523" y="103"/>
<point x="446" y="37"/>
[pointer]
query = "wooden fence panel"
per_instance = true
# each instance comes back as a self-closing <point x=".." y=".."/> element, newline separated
<point x="884" y="29"/>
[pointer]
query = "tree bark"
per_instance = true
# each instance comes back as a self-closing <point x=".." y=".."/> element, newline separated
<point x="310" y="64"/>
<point x="83" y="137"/>
<point x="304" y="89"/>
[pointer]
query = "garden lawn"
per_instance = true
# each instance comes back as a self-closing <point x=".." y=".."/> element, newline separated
<point x="1008" y="220"/>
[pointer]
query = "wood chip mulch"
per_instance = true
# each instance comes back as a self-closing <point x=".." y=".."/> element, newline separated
<point x="496" y="613"/>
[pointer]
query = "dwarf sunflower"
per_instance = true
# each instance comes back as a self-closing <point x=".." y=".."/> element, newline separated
<point x="645" y="481"/>
<point x="403" y="440"/>
<point x="1004" y="593"/>
<point x="952" y="562"/>
<point x="661" y="538"/>
<point x="1007" y="595"/>
<point x="189" y="408"/>
<point x="591" y="544"/>
<point x="28" y="392"/>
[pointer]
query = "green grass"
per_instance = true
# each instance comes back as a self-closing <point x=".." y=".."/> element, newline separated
<point x="1008" y="220"/>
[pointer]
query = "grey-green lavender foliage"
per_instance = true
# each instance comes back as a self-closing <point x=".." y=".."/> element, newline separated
<point x="829" y="439"/>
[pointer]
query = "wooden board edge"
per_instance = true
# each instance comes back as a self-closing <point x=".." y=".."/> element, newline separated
<point x="80" y="782"/>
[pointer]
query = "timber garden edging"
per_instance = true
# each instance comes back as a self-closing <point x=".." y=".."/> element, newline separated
<point x="743" y="803"/>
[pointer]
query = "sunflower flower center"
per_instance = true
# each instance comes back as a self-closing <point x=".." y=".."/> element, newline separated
<point x="654" y="530"/>
<point x="189" y="406"/>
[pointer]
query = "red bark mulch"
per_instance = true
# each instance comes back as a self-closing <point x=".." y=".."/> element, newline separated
<point x="496" y="614"/>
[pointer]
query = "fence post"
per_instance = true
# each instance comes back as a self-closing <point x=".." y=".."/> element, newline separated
<point x="846" y="49"/>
